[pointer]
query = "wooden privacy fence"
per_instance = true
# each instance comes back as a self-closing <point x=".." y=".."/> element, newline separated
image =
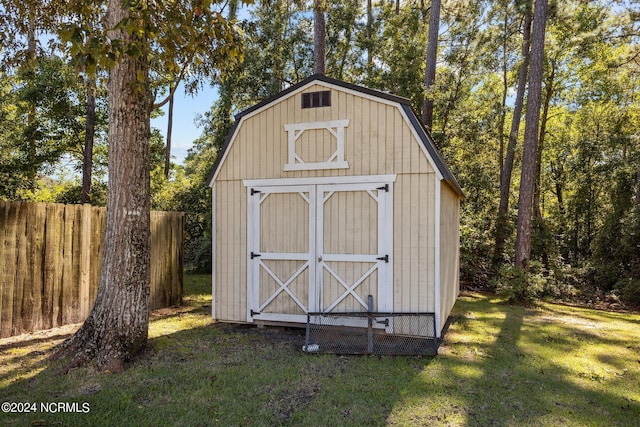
<point x="51" y="257"/>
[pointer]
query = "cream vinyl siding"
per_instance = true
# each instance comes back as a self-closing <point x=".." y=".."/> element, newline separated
<point x="378" y="141"/>
<point x="449" y="250"/>
<point x="413" y="242"/>
<point x="231" y="251"/>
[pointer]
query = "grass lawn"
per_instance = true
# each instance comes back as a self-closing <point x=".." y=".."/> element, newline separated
<point x="499" y="366"/>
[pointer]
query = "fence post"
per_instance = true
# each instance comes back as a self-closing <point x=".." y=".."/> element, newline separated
<point x="86" y="236"/>
<point x="9" y="224"/>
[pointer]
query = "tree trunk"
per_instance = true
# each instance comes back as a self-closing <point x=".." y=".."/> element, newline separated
<point x="548" y="93"/>
<point x="558" y="177"/>
<point x="525" y="201"/>
<point x="369" y="39"/>
<point x="167" y="151"/>
<point x="32" y="65"/>
<point x="638" y="185"/>
<point x="430" y="69"/>
<point x="319" y="37"/>
<point x="505" y="91"/>
<point x="117" y="327"/>
<point x="89" y="133"/>
<point x="505" y="181"/>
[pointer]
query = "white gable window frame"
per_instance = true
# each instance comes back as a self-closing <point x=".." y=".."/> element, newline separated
<point x="335" y="161"/>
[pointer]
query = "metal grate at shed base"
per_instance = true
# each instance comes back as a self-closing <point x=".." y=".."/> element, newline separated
<point x="371" y="333"/>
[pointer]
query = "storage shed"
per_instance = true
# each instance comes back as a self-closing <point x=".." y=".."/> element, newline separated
<point x="331" y="198"/>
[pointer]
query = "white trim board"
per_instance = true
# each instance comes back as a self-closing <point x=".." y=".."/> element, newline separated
<point x="355" y="179"/>
<point x="335" y="161"/>
<point x="213" y="252"/>
<point x="437" y="292"/>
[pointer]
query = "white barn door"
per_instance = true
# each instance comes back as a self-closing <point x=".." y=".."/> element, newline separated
<point x="281" y="242"/>
<point x="353" y="247"/>
<point x="318" y="248"/>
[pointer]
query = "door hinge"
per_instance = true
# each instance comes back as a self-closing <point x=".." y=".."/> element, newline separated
<point x="254" y="255"/>
<point x="384" y="187"/>
<point x="254" y="191"/>
<point x="384" y="322"/>
<point x="383" y="258"/>
<point x="254" y="313"/>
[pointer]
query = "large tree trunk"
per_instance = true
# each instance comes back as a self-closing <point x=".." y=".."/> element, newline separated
<point x="507" y="170"/>
<point x="430" y="70"/>
<point x="638" y="184"/>
<point x="117" y="328"/>
<point x="89" y="134"/>
<point x="548" y="94"/>
<point x="319" y="37"/>
<point x="527" y="180"/>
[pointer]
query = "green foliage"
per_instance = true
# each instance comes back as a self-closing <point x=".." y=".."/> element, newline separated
<point x="345" y="24"/>
<point x="630" y="290"/>
<point x="181" y="34"/>
<point x="521" y="286"/>
<point x="187" y="191"/>
<point x="73" y="194"/>
<point x="398" y="52"/>
<point x="41" y="114"/>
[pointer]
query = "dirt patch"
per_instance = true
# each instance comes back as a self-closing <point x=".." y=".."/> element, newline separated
<point x="176" y="310"/>
<point x="276" y="333"/>
<point x="286" y="403"/>
<point x="37" y="338"/>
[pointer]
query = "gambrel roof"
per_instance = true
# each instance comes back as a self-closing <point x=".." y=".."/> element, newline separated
<point x="435" y="158"/>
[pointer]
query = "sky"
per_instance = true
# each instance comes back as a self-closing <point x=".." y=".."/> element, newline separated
<point x="185" y="110"/>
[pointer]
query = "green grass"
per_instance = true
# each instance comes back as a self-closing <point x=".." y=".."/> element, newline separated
<point x="500" y="365"/>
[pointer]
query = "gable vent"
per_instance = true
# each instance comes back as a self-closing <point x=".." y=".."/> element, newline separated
<point x="316" y="99"/>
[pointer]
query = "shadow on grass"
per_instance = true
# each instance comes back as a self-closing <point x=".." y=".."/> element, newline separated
<point x="523" y="372"/>
<point x="593" y="315"/>
<point x="32" y="342"/>
<point x="26" y="357"/>
<point x="499" y="367"/>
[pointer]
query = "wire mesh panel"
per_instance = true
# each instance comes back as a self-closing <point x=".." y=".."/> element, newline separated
<point x="371" y="333"/>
